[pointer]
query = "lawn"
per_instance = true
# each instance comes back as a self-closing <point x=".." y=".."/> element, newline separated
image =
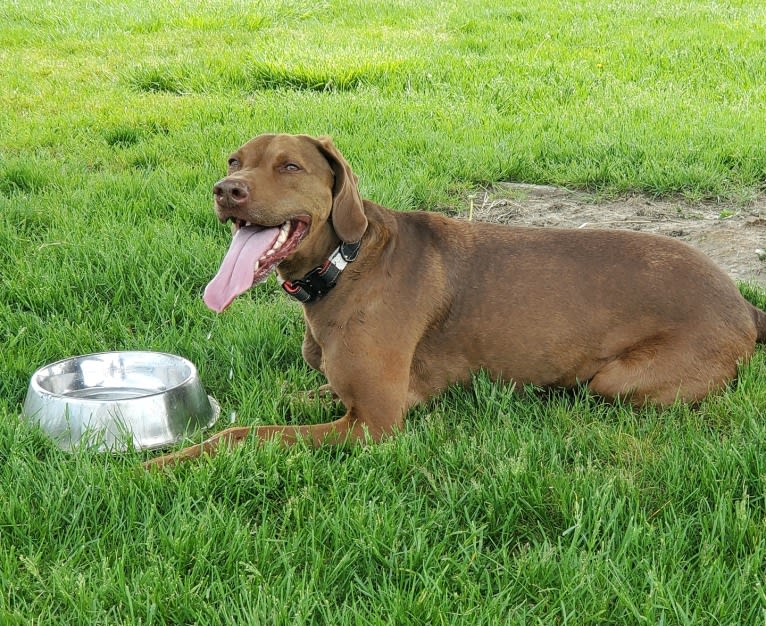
<point x="492" y="507"/>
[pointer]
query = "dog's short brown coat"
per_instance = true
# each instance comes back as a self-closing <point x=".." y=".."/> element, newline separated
<point x="432" y="300"/>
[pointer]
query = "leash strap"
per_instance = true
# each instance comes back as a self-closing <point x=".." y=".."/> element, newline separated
<point x="322" y="279"/>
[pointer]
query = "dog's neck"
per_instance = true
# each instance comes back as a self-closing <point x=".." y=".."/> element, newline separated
<point x="321" y="280"/>
<point x="315" y="249"/>
<point x="324" y="269"/>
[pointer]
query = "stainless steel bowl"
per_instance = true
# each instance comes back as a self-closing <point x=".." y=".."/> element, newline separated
<point x="110" y="399"/>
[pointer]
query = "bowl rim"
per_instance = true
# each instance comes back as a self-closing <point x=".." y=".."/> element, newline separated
<point x="39" y="389"/>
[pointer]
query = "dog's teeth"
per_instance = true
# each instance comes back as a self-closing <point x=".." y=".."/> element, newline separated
<point x="269" y="252"/>
<point x="257" y="265"/>
<point x="282" y="237"/>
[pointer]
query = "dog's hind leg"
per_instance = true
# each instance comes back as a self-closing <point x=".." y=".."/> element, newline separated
<point x="661" y="373"/>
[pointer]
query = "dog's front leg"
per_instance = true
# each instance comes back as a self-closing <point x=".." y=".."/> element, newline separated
<point x="312" y="352"/>
<point x="347" y="429"/>
<point x="338" y="431"/>
<point x="376" y="400"/>
<point x="230" y="436"/>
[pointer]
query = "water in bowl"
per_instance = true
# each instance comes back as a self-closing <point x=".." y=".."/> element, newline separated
<point x="108" y="393"/>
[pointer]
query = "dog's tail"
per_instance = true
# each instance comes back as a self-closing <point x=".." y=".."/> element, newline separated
<point x="759" y="317"/>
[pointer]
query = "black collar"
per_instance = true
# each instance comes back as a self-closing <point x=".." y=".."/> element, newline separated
<point x="322" y="279"/>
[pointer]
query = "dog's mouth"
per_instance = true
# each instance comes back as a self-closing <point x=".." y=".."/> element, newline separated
<point x="255" y="252"/>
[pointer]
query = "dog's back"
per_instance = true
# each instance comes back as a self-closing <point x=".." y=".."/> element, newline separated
<point x="638" y="315"/>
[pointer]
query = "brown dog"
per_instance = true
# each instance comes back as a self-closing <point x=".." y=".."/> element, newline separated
<point x="400" y="305"/>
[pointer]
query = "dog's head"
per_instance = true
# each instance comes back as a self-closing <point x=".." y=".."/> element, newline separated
<point x="280" y="190"/>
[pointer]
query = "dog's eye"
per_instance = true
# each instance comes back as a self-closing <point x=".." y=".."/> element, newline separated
<point x="291" y="167"/>
<point x="233" y="162"/>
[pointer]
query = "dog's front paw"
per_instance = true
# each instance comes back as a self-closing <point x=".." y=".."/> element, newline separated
<point x="325" y="392"/>
<point x="160" y="462"/>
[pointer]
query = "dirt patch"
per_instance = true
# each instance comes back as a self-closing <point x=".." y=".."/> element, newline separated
<point x="734" y="236"/>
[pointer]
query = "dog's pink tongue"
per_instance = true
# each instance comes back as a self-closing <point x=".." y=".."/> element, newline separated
<point x="235" y="275"/>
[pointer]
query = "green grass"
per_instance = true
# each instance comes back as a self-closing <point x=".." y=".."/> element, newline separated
<point x="115" y="120"/>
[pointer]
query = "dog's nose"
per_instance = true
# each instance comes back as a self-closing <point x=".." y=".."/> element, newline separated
<point x="231" y="193"/>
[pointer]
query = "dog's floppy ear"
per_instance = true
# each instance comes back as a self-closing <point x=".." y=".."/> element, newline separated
<point x="348" y="218"/>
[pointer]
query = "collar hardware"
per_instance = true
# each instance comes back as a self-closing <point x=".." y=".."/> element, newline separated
<point x="319" y="281"/>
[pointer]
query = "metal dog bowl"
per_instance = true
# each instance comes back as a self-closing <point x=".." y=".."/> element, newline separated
<point x="110" y="399"/>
